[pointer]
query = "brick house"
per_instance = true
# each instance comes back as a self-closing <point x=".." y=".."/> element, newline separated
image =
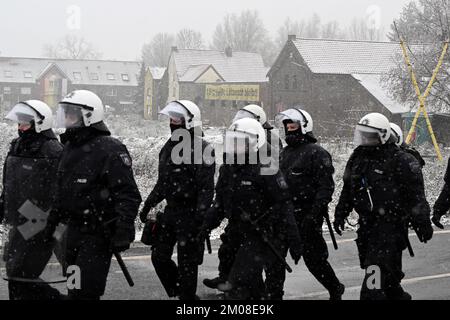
<point x="51" y="79"/>
<point x="337" y="81"/>
<point x="219" y="82"/>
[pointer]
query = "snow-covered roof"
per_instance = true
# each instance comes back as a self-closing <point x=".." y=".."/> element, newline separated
<point x="348" y="57"/>
<point x="157" y="72"/>
<point x="85" y="72"/>
<point x="373" y="84"/>
<point x="193" y="72"/>
<point x="240" y="67"/>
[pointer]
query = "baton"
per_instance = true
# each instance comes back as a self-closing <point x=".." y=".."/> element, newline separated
<point x="408" y="245"/>
<point x="124" y="269"/>
<point x="330" y="229"/>
<point x="208" y="245"/>
<point x="119" y="259"/>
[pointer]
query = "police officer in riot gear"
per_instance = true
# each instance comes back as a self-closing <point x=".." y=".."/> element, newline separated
<point x="226" y="251"/>
<point x="309" y="173"/>
<point x="186" y="182"/>
<point x="397" y="138"/>
<point x="27" y="195"/>
<point x="384" y="185"/>
<point x="442" y="204"/>
<point x="254" y="204"/>
<point x="97" y="193"/>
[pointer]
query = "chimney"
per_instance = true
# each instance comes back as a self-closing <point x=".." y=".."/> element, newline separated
<point x="229" y="52"/>
<point x="292" y="37"/>
<point x="174" y="49"/>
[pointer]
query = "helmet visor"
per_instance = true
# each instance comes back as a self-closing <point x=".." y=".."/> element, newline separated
<point x="236" y="142"/>
<point x="176" y="112"/>
<point x="21" y="114"/>
<point x="69" y="116"/>
<point x="366" y="137"/>
<point x="244" y="114"/>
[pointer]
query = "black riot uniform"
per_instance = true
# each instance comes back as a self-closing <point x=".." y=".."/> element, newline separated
<point x="442" y="204"/>
<point x="226" y="252"/>
<point x="256" y="206"/>
<point x="384" y="185"/>
<point x="188" y="188"/>
<point x="29" y="176"/>
<point x="99" y="199"/>
<point x="309" y="173"/>
<point x="409" y="149"/>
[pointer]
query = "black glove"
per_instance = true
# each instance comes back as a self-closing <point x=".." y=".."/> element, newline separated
<point x="436" y="219"/>
<point x="339" y="225"/>
<point x="122" y="239"/>
<point x="143" y="216"/>
<point x="202" y="235"/>
<point x="296" y="253"/>
<point x="424" y="232"/>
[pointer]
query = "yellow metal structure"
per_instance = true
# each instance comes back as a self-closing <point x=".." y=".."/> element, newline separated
<point x="422" y="97"/>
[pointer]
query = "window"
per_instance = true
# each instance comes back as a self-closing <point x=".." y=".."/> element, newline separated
<point x="223" y="104"/>
<point x="212" y="104"/>
<point x="294" y="82"/>
<point x="125" y="77"/>
<point x="51" y="84"/>
<point x="286" y="82"/>
<point x="110" y="76"/>
<point x="77" y="76"/>
<point x="128" y="92"/>
<point x="8" y="74"/>
<point x="7" y="90"/>
<point x="94" y="76"/>
<point x="25" y="90"/>
<point x="27" y="74"/>
<point x="235" y="105"/>
<point x="112" y="92"/>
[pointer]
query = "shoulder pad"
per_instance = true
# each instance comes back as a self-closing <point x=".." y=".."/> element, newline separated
<point x="408" y="160"/>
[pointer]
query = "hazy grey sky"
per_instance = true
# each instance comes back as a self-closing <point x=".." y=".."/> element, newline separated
<point x="119" y="28"/>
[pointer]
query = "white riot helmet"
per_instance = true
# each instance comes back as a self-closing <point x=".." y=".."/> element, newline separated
<point x="398" y="133"/>
<point x="253" y="111"/>
<point x="244" y="135"/>
<point x="296" y="115"/>
<point x="32" y="111"/>
<point x="372" y="130"/>
<point x="80" y="108"/>
<point x="186" y="110"/>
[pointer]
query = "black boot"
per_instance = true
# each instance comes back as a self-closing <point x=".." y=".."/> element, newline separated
<point x="213" y="283"/>
<point x="336" y="295"/>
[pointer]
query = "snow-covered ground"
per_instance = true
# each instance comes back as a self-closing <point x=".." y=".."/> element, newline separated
<point x="145" y="138"/>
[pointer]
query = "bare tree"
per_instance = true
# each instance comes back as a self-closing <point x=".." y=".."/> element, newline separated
<point x="332" y="30"/>
<point x="189" y="39"/>
<point x="289" y="27"/>
<point x="156" y="53"/>
<point x="359" y="30"/>
<point x="71" y="47"/>
<point x="313" y="27"/>
<point x="244" y="32"/>
<point x="424" y="24"/>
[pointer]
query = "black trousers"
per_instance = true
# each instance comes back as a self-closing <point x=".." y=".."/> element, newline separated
<point x="227" y="252"/>
<point x="246" y="274"/>
<point x="92" y="254"/>
<point x="315" y="255"/>
<point x="181" y="231"/>
<point x="380" y="250"/>
<point x="32" y="291"/>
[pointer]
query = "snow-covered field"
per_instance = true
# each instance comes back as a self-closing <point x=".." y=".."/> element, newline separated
<point x="145" y="138"/>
